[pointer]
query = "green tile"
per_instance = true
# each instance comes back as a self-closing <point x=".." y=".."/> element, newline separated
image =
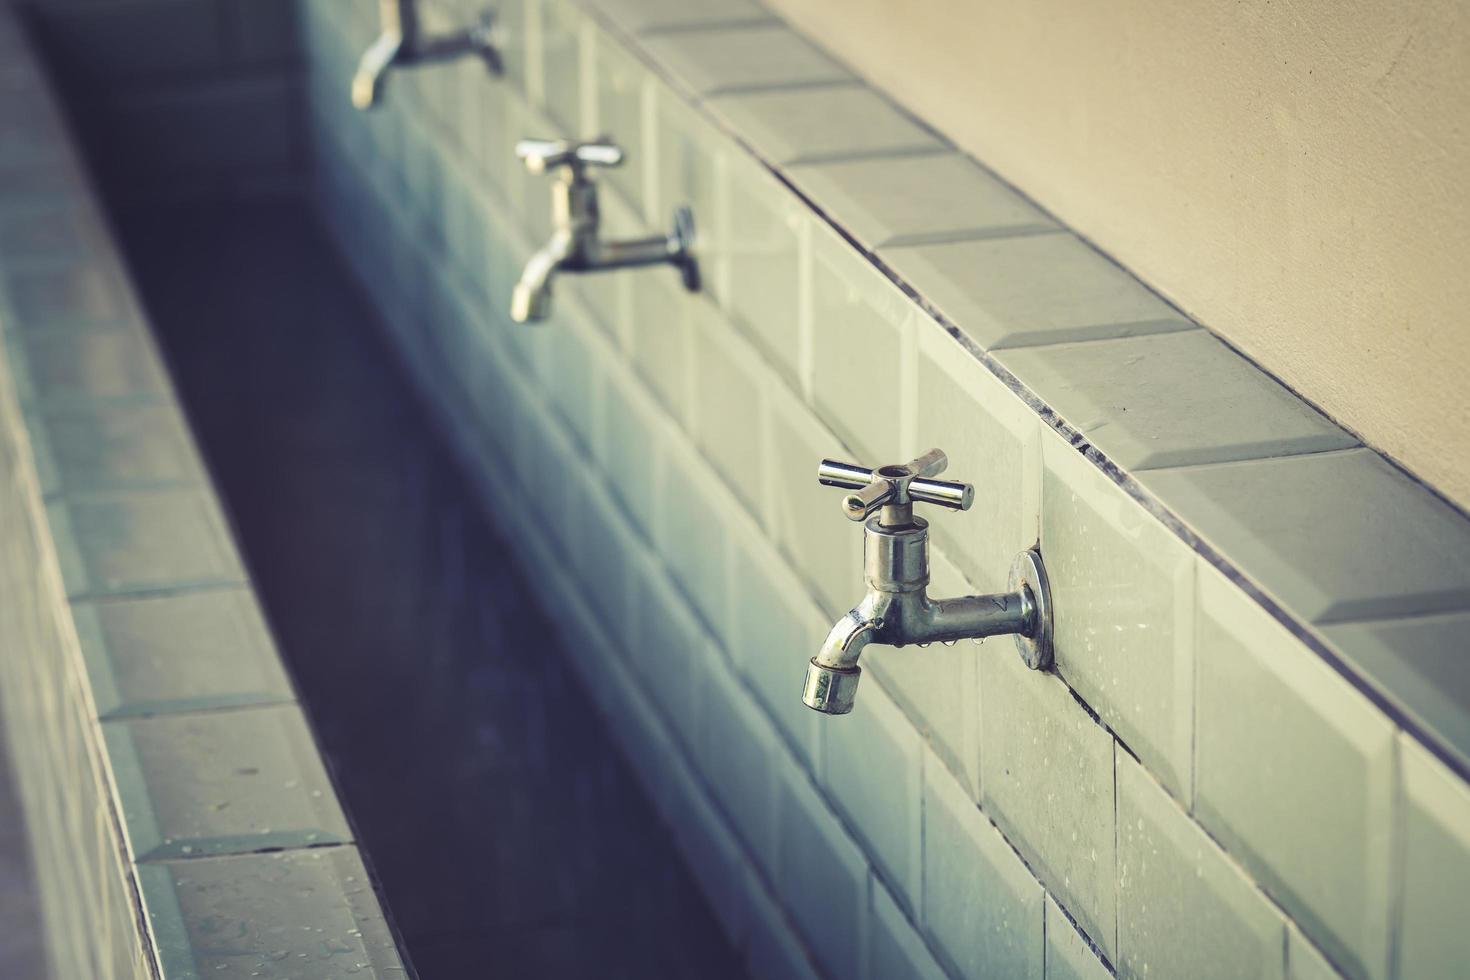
<point x="1305" y="961"/>
<point x="938" y="686"/>
<point x="643" y="16"/>
<point x="223" y="782"/>
<point x="742" y="58"/>
<point x="772" y="649"/>
<point x="1139" y="400"/>
<point x="982" y="908"/>
<point x="927" y="197"/>
<point x="1294" y="776"/>
<point x="48" y="231"/>
<point x="307" y="915"/>
<point x="1032" y="289"/>
<point x="691" y="171"/>
<point x="805" y="519"/>
<point x="1069" y="956"/>
<point x="1432" y="940"/>
<point x="25" y="183"/>
<point x="1300" y="527"/>
<point x="996" y="446"/>
<point x="895" y="949"/>
<point x="1046" y="779"/>
<point x="120" y="543"/>
<point x="727" y="372"/>
<point x="87" y="447"/>
<point x="70" y="366"/>
<point x="660" y="341"/>
<point x="1172" y="880"/>
<point x="861" y="326"/>
<point x="179" y="653"/>
<point x="822" y="875"/>
<point x="1126" y="583"/>
<point x="66" y="294"/>
<point x="765" y="229"/>
<point x="873" y="773"/>
<point x="563" y="62"/>
<point x="1421" y="664"/>
<point x="806" y="125"/>
<point x="624" y="97"/>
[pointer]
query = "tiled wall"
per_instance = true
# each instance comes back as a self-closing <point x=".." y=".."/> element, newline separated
<point x="1195" y="792"/>
<point x="88" y="908"/>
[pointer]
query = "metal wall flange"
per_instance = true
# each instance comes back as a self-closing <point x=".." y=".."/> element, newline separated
<point x="1028" y="577"/>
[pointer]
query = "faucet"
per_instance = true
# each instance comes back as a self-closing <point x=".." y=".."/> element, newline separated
<point x="897" y="609"/>
<point x="575" y="244"/>
<point x="400" y="43"/>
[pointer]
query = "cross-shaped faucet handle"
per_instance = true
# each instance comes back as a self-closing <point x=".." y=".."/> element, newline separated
<point x="895" y="485"/>
<point x="541" y="156"/>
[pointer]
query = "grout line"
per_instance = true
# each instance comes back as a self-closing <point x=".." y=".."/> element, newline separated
<point x="1117" y="859"/>
<point x="755" y="88"/>
<point x="1399" y="843"/>
<point x="858" y="156"/>
<point x="1217" y="463"/>
<point x="1127" y="330"/>
<point x="257" y="852"/>
<point x="734" y="23"/>
<point x="114" y="717"/>
<point x="160" y="592"/>
<point x="955" y="235"/>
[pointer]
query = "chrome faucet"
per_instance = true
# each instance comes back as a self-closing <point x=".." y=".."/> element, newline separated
<point x="897" y="609"/>
<point x="576" y="244"/>
<point x="401" y="43"/>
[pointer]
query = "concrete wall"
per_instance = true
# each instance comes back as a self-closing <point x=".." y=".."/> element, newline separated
<point x="1291" y="174"/>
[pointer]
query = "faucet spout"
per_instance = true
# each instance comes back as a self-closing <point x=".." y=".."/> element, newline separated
<point x="530" y="301"/>
<point x="372" y="69"/>
<point x="833" y="674"/>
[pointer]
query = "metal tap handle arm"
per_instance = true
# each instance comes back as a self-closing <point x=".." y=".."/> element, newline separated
<point x="398" y="17"/>
<point x="898" y="484"/>
<point x="541" y="156"/>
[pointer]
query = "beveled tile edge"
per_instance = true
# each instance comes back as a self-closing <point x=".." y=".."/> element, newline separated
<point x="167" y="924"/>
<point x="1073" y="944"/>
<point x="108" y="700"/>
<point x="1314" y="683"/>
<point x="125" y="772"/>
<point x="128" y="818"/>
<point x="146" y="841"/>
<point x="1147" y="501"/>
<point x="1134" y="784"/>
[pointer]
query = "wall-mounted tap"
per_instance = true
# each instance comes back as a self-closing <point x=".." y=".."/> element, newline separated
<point x="576" y="244"/>
<point x="897" y="609"/>
<point x="402" y="43"/>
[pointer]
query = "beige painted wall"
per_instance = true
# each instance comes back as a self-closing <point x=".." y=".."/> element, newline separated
<point x="1294" y="174"/>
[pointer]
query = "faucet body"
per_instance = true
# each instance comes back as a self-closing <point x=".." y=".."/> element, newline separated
<point x="576" y="243"/>
<point x="401" y="43"/>
<point x="897" y="609"/>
